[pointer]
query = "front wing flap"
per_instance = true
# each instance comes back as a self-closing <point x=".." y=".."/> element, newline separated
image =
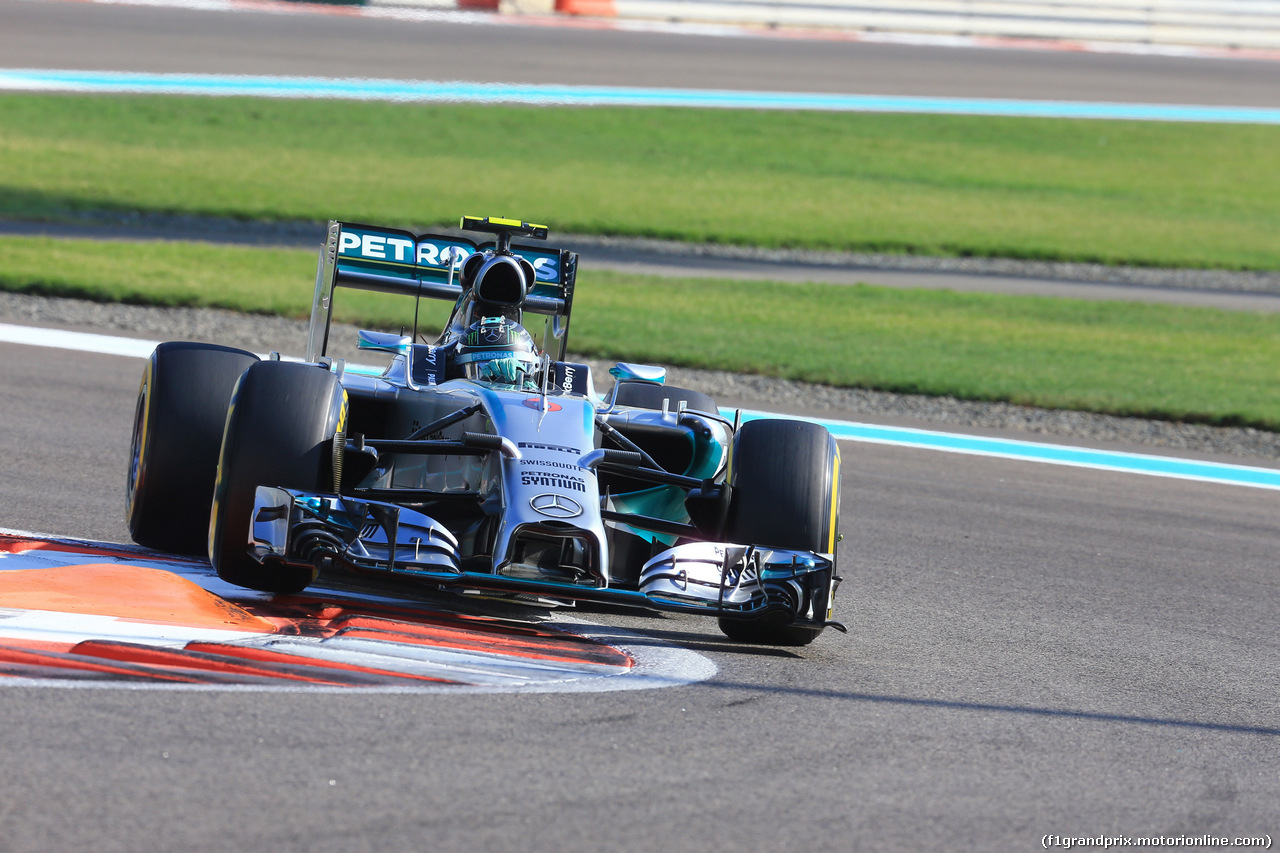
<point x="743" y="581"/>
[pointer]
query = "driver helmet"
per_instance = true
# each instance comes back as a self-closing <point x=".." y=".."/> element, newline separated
<point x="497" y="349"/>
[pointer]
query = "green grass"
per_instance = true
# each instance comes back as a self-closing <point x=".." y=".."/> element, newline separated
<point x="1169" y="194"/>
<point x="1130" y="359"/>
<point x="188" y="275"/>
<point x="1157" y="361"/>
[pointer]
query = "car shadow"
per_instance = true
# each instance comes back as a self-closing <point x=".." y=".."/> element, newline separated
<point x="995" y="707"/>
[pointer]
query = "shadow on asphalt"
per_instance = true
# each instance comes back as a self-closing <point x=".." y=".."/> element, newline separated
<point x="1028" y="710"/>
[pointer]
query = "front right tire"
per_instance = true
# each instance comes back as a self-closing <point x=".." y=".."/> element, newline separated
<point x="280" y="432"/>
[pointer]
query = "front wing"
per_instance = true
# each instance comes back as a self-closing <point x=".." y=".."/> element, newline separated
<point x="727" y="580"/>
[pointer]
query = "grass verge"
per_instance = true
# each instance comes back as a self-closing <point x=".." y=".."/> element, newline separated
<point x="1150" y="193"/>
<point x="1192" y="364"/>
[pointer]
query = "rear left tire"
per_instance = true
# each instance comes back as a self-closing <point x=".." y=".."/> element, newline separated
<point x="650" y="395"/>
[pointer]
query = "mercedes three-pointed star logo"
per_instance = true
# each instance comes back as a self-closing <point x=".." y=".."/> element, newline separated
<point x="556" y="506"/>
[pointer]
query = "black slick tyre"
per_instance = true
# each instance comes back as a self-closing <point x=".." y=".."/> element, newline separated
<point x="650" y="395"/>
<point x="280" y="432"/>
<point x="786" y="494"/>
<point x="177" y="432"/>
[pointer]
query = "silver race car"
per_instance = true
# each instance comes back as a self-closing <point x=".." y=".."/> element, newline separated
<point x="482" y="461"/>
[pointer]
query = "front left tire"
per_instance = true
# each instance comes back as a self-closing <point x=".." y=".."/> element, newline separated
<point x="786" y="494"/>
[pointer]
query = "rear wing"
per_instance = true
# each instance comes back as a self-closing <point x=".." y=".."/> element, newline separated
<point x="388" y="260"/>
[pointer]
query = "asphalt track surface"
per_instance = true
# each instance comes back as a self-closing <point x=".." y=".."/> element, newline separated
<point x="1033" y="650"/>
<point x="138" y="38"/>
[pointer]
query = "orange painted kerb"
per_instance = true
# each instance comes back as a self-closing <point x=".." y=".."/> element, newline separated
<point x="592" y="8"/>
<point x="124" y="592"/>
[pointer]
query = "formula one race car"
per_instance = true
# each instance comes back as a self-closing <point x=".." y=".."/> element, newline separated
<point x="482" y="462"/>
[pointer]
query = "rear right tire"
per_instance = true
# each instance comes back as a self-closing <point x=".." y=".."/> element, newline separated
<point x="177" y="433"/>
